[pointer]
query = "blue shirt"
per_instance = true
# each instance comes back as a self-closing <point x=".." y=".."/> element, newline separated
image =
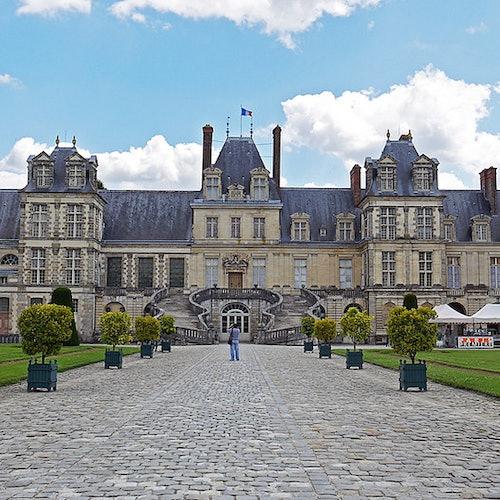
<point x="235" y="332"/>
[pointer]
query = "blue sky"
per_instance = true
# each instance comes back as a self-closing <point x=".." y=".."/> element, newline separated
<point x="117" y="81"/>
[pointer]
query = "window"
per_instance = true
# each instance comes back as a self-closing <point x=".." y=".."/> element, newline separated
<point x="260" y="188"/>
<point x="322" y="232"/>
<point x="259" y="227"/>
<point x="345" y="273"/>
<point x="366" y="269"/>
<point x="74" y="221"/>
<point x="212" y="227"/>
<point x="9" y="260"/>
<point x="449" y="231"/>
<point x="300" y="272"/>
<point x="3" y="280"/>
<point x="424" y="223"/>
<point x="345" y="230"/>
<point x="114" y="272"/>
<point x="495" y="272"/>
<point x="388" y="223"/>
<point x="176" y="273"/>
<point x="75" y="305"/>
<point x="44" y="175"/>
<point x="36" y="301"/>
<point x="481" y="231"/>
<point x="367" y="225"/>
<point x="94" y="268"/>
<point x="235" y="227"/>
<point x="387" y="178"/>
<point x="388" y="268"/>
<point x="38" y="266"/>
<point x="300" y="231"/>
<point x="73" y="266"/>
<point x="453" y="272"/>
<point x="211" y="272"/>
<point x="76" y="175"/>
<point x="425" y="268"/>
<point x="94" y="222"/>
<point x="212" y="187"/>
<point x="39" y="220"/>
<point x="145" y="274"/>
<point x="259" y="272"/>
<point x="422" y="179"/>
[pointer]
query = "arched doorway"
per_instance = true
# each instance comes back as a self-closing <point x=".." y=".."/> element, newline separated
<point x="458" y="307"/>
<point x="114" y="307"/>
<point x="357" y="306"/>
<point x="234" y="312"/>
<point x="451" y="332"/>
<point x="388" y="307"/>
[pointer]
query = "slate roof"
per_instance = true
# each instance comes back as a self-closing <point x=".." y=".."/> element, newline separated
<point x="9" y="214"/>
<point x="147" y="215"/>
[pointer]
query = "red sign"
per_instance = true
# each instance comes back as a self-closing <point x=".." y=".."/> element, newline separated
<point x="474" y="342"/>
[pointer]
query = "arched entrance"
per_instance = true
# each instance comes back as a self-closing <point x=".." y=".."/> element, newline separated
<point x="114" y="307"/>
<point x="357" y="306"/>
<point x="458" y="307"/>
<point x="238" y="313"/>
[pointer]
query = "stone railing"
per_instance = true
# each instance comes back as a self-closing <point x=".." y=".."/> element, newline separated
<point x="122" y="291"/>
<point x="193" y="336"/>
<point x="152" y="308"/>
<point x="281" y="336"/>
<point x="316" y="309"/>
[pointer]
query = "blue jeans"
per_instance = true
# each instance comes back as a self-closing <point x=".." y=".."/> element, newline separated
<point x="235" y="350"/>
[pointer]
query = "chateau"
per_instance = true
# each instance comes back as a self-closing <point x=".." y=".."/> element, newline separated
<point x="244" y="248"/>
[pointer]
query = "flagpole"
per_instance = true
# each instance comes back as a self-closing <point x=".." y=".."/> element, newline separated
<point x="241" y="121"/>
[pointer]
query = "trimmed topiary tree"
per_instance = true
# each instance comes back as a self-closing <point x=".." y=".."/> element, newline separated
<point x="147" y="329"/>
<point x="167" y="328"/>
<point x="307" y="329"/>
<point x="357" y="325"/>
<point x="325" y="330"/>
<point x="115" y="329"/>
<point x="62" y="296"/>
<point x="410" y="301"/>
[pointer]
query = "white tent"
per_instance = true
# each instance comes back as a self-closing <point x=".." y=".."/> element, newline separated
<point x="448" y="315"/>
<point x="490" y="313"/>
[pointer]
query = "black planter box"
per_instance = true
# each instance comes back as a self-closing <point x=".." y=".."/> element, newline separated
<point x="42" y="376"/>
<point x="354" y="359"/>
<point x="412" y="375"/>
<point x="113" y="358"/>
<point x="147" y="350"/>
<point x="308" y="346"/>
<point x="166" y="346"/>
<point x="325" y="351"/>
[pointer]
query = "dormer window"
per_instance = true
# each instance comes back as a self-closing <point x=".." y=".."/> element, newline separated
<point x="322" y="232"/>
<point x="212" y="183"/>
<point x="259" y="184"/>
<point x="449" y="229"/>
<point x="422" y="179"/>
<point x="300" y="227"/>
<point x="345" y="227"/>
<point x="387" y="178"/>
<point x="44" y="174"/>
<point x="236" y="192"/>
<point x="481" y="231"/>
<point x="76" y="175"/>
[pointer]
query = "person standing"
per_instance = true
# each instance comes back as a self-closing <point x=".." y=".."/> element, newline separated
<point x="234" y="342"/>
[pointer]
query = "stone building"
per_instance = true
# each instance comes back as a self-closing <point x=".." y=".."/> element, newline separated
<point x="245" y="249"/>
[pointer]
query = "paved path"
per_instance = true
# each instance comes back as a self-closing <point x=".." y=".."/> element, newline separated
<point x="280" y="423"/>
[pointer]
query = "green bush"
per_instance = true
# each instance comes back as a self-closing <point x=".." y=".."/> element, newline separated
<point x="410" y="332"/>
<point x="44" y="328"/>
<point x="307" y="326"/>
<point x="325" y="330"/>
<point x="410" y="301"/>
<point x="167" y="326"/>
<point x="147" y="328"/>
<point x="62" y="296"/>
<point x="357" y="325"/>
<point x="115" y="328"/>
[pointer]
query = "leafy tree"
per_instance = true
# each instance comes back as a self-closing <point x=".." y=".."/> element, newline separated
<point x="115" y="328"/>
<point x="44" y="328"/>
<point x="147" y="328"/>
<point x="325" y="329"/>
<point x="410" y="332"/>
<point x="356" y="324"/>
<point x="307" y="326"/>
<point x="167" y="326"/>
<point x="62" y="296"/>
<point x="410" y="301"/>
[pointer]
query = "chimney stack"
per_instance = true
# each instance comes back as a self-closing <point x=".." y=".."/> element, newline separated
<point x="208" y="132"/>
<point x="356" y="184"/>
<point x="277" y="155"/>
<point x="488" y="179"/>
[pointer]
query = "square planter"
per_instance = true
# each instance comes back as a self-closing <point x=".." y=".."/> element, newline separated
<point x="166" y="346"/>
<point x="325" y="351"/>
<point x="113" y="358"/>
<point x="42" y="376"/>
<point x="354" y="359"/>
<point x="147" y="350"/>
<point x="412" y="375"/>
<point x="308" y="346"/>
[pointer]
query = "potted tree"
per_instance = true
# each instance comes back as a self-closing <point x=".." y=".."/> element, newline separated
<point x="325" y="332"/>
<point x="357" y="325"/>
<point x="147" y="329"/>
<point x="167" y="328"/>
<point x="410" y="332"/>
<point x="307" y="328"/>
<point x="44" y="328"/>
<point x="63" y="297"/>
<point x="115" y="329"/>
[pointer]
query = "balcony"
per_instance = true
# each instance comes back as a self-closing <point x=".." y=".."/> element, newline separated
<point x="455" y="292"/>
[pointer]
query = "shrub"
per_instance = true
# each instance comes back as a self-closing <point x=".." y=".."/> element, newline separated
<point x="410" y="332"/>
<point x="63" y="297"/>
<point x="44" y="328"/>
<point x="410" y="301"/>
<point x="356" y="324"/>
<point x="167" y="326"/>
<point x="115" y="328"/>
<point x="325" y="329"/>
<point x="307" y="326"/>
<point x="147" y="328"/>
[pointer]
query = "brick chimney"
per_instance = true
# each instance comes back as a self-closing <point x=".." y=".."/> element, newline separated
<point x="488" y="179"/>
<point x="356" y="184"/>
<point x="277" y="154"/>
<point x="208" y="132"/>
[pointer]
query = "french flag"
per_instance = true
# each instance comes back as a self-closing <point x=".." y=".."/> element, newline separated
<point x="246" y="112"/>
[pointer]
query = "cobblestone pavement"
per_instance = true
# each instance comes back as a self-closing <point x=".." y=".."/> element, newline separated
<point x="280" y="423"/>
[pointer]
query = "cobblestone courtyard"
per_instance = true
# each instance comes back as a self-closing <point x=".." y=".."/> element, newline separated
<point x="280" y="423"/>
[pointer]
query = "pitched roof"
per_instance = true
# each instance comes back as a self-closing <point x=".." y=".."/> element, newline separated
<point x="9" y="214"/>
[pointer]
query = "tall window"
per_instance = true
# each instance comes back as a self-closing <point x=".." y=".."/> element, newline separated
<point x="300" y="230"/>
<point x="495" y="272"/>
<point x="422" y="179"/>
<point x="453" y="272"/>
<point x="345" y="273"/>
<point x="235" y="227"/>
<point x="73" y="266"/>
<point x="388" y="268"/>
<point x="39" y="221"/>
<point x="259" y="272"/>
<point x="345" y="230"/>
<point x="94" y="268"/>
<point x="425" y="268"/>
<point x="388" y="223"/>
<point x="74" y="221"/>
<point x="259" y="227"/>
<point x="212" y="187"/>
<point x="481" y="231"/>
<point x="44" y="175"/>
<point x="260" y="188"/>
<point x="176" y="273"/>
<point x="449" y="231"/>
<point x="387" y="178"/>
<point x="76" y="176"/>
<point x="300" y="272"/>
<point x="424" y="223"/>
<point x="114" y="274"/>
<point x="38" y="266"/>
<point x="212" y="227"/>
<point x="211" y="272"/>
<point x="145" y="275"/>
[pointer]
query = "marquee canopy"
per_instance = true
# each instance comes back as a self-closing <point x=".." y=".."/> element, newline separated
<point x="448" y="315"/>
<point x="490" y="313"/>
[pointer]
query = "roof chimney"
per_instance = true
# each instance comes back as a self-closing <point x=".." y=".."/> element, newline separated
<point x="277" y="155"/>
<point x="488" y="179"/>
<point x="208" y="132"/>
<point x="356" y="184"/>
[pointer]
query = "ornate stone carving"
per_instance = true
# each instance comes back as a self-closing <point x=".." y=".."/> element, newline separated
<point x="235" y="262"/>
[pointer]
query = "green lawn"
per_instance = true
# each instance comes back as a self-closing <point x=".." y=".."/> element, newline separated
<point x="13" y="362"/>
<point x="475" y="370"/>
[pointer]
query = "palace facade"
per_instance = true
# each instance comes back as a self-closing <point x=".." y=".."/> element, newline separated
<point x="253" y="241"/>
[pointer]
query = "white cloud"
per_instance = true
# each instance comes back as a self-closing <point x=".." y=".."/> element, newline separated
<point x="448" y="180"/>
<point x="314" y="185"/>
<point x="443" y="114"/>
<point x="371" y="25"/>
<point x="10" y="81"/>
<point x="282" y="18"/>
<point x="52" y="7"/>
<point x="478" y="28"/>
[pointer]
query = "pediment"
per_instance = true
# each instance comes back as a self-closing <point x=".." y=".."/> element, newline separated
<point x="346" y="215"/>
<point x="212" y="171"/>
<point x="42" y="157"/>
<point x="300" y="215"/>
<point x="387" y="160"/>
<point x="259" y="171"/>
<point x="76" y="158"/>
